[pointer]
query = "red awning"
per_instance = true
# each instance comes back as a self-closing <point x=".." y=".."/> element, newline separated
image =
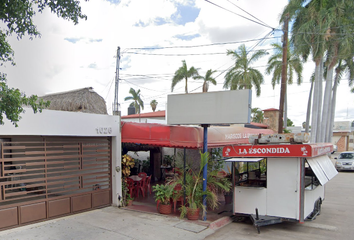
<point x="186" y="136"/>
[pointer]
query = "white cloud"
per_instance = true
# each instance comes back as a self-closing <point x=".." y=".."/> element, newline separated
<point x="71" y="56"/>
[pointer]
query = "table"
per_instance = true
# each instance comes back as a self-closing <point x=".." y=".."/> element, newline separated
<point x="135" y="178"/>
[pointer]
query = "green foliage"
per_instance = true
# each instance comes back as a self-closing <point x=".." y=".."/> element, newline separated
<point x="194" y="186"/>
<point x="257" y="115"/>
<point x="184" y="73"/>
<point x="128" y="197"/>
<point x="16" y="18"/>
<point x="153" y="105"/>
<point x="289" y="123"/>
<point x="135" y="96"/>
<point x="242" y="75"/>
<point x="164" y="192"/>
<point x="12" y="102"/>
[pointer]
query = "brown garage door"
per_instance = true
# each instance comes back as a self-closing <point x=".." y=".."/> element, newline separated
<point x="43" y="178"/>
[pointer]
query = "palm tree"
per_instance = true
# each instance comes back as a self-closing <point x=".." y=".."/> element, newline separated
<point x="135" y="96"/>
<point x="242" y="75"/>
<point x="257" y="115"/>
<point x="275" y="64"/>
<point x="153" y="105"/>
<point x="184" y="73"/>
<point x="311" y="22"/>
<point x="208" y="78"/>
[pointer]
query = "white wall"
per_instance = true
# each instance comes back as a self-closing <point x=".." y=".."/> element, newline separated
<point x="61" y="123"/>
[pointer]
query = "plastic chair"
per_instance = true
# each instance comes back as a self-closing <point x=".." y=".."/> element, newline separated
<point x="131" y="187"/>
<point x="148" y="185"/>
<point x="143" y="181"/>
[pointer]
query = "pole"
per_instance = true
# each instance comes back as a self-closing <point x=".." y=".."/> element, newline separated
<point x="115" y="103"/>
<point x="184" y="175"/>
<point x="283" y="74"/>
<point x="205" y="169"/>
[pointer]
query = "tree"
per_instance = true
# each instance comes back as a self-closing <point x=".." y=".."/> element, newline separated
<point x="207" y="78"/>
<point x="290" y="123"/>
<point x="16" y="16"/>
<point x="311" y="22"/>
<point x="294" y="65"/>
<point x="257" y="115"/>
<point x="242" y="75"/>
<point x="135" y="96"/>
<point x="153" y="105"/>
<point x="184" y="73"/>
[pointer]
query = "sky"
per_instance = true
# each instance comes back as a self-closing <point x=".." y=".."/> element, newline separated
<point x="68" y="57"/>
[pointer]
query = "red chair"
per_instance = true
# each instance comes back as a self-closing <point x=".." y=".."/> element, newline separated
<point x="142" y="183"/>
<point x="131" y="187"/>
<point x="148" y="185"/>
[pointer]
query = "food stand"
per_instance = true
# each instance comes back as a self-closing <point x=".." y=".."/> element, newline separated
<point x="279" y="182"/>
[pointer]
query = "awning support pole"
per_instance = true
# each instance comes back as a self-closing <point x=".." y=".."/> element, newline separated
<point x="205" y="169"/>
<point x="184" y="178"/>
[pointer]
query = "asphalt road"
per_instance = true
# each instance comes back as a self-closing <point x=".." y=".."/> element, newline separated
<point x="335" y="222"/>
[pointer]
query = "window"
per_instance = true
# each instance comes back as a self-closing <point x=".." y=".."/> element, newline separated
<point x="251" y="174"/>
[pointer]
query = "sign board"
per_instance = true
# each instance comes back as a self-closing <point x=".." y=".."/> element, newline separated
<point x="280" y="150"/>
<point x="224" y="107"/>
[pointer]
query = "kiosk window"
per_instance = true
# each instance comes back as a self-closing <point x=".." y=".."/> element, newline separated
<point x="250" y="173"/>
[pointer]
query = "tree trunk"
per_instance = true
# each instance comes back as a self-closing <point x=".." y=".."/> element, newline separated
<point x="315" y="118"/>
<point x="285" y="111"/>
<point x="326" y="105"/>
<point x="320" y="97"/>
<point x="308" y="113"/>
<point x="333" y="108"/>
<point x="186" y="87"/>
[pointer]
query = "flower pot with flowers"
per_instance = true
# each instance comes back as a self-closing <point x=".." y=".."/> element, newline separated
<point x="163" y="195"/>
<point x="129" y="200"/>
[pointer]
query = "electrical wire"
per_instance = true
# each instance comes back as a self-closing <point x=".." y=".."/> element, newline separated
<point x="238" y="14"/>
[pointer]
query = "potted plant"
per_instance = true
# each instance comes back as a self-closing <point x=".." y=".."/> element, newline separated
<point x="163" y="194"/>
<point x="193" y="186"/>
<point x="129" y="200"/>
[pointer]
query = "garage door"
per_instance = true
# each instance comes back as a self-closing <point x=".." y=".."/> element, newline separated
<point x="44" y="178"/>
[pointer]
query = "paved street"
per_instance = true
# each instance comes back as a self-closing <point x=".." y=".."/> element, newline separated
<point x="335" y="222"/>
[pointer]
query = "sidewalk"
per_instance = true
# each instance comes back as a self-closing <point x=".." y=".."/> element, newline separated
<point x="115" y="223"/>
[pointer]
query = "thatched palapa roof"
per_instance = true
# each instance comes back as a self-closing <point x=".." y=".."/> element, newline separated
<point x="79" y="100"/>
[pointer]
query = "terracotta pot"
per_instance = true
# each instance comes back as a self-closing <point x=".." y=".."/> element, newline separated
<point x="130" y="203"/>
<point x="165" y="208"/>
<point x="192" y="214"/>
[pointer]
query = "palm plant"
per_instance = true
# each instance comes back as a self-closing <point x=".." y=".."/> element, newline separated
<point x="207" y="78"/>
<point x="275" y="64"/>
<point x="192" y="183"/>
<point x="153" y="105"/>
<point x="184" y="73"/>
<point x="257" y="115"/>
<point x="242" y="75"/>
<point x="135" y="96"/>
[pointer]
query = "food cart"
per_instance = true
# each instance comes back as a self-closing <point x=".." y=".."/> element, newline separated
<point x="279" y="179"/>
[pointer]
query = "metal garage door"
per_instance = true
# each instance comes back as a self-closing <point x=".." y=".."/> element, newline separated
<point x="43" y="178"/>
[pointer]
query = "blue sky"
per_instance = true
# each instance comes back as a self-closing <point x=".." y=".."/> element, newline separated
<point x="69" y="56"/>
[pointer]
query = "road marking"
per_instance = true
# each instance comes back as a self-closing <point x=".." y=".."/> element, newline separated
<point x="320" y="226"/>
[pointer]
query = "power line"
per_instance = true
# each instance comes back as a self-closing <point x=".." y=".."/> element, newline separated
<point x="248" y="13"/>
<point x="238" y="14"/>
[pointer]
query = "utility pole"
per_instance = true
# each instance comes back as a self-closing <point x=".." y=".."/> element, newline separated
<point x="283" y="74"/>
<point x="115" y="103"/>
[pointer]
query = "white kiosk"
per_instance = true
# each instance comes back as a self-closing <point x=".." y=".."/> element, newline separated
<point x="279" y="182"/>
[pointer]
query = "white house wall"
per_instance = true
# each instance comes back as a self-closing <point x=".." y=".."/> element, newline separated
<point x="75" y="124"/>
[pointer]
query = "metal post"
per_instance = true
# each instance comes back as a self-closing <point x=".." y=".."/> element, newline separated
<point x="184" y="175"/>
<point x="205" y="169"/>
<point x="115" y="103"/>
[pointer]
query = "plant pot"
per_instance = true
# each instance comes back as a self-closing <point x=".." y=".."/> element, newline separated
<point x="193" y="214"/>
<point x="130" y="203"/>
<point x="165" y="208"/>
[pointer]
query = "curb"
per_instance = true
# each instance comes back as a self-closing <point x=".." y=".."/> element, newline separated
<point x="220" y="223"/>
